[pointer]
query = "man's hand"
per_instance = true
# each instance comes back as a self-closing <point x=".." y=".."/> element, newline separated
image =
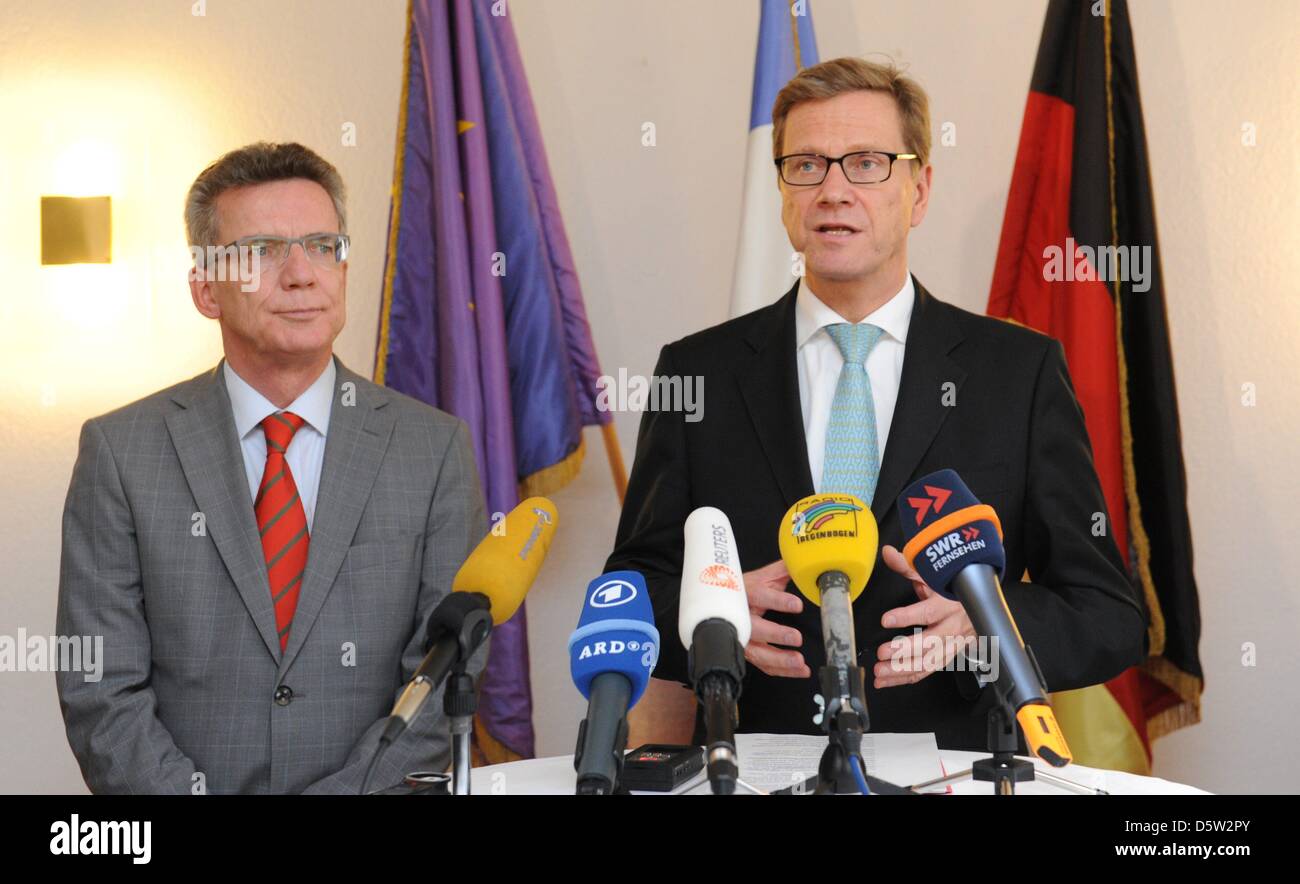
<point x="907" y="660"/>
<point x="766" y="591"/>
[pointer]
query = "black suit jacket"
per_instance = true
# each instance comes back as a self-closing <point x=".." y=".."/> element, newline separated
<point x="1015" y="434"/>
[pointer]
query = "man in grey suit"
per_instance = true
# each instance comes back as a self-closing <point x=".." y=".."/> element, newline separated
<point x="261" y="546"/>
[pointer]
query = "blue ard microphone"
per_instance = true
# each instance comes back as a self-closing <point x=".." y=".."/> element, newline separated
<point x="955" y="544"/>
<point x="611" y="655"/>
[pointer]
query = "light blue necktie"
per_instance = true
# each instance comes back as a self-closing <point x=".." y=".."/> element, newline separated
<point x="852" y="460"/>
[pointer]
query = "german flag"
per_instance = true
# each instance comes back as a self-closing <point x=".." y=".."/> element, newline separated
<point x="1079" y="260"/>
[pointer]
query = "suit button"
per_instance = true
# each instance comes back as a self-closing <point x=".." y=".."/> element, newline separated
<point x="283" y="695"/>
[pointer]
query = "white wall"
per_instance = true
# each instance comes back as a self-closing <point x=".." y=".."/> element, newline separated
<point x="654" y="231"/>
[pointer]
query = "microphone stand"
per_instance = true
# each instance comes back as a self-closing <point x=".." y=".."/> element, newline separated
<point x="845" y="717"/>
<point x="845" y="722"/>
<point x="616" y="691"/>
<point x="719" y="702"/>
<point x="1003" y="769"/>
<point x="460" y="704"/>
<point x="466" y="617"/>
<point x="717" y="670"/>
<point x="460" y="701"/>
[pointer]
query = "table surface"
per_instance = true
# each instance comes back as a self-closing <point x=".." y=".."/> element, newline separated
<point x="555" y="776"/>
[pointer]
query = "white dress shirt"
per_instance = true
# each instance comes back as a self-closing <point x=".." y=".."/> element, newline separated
<point x="307" y="449"/>
<point x="820" y="361"/>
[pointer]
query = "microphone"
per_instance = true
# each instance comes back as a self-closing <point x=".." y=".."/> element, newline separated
<point x="486" y="591"/>
<point x="505" y="563"/>
<point x="611" y="655"/>
<point x="828" y="543"/>
<point x="955" y="543"/>
<point x="713" y="624"/>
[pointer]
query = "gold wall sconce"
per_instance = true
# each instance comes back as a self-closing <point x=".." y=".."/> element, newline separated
<point x="76" y="230"/>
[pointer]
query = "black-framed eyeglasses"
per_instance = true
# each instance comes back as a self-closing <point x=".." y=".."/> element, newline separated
<point x="325" y="249"/>
<point x="859" y="167"/>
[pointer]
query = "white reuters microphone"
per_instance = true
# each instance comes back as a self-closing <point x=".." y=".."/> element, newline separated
<point x="713" y="623"/>
<point x="712" y="585"/>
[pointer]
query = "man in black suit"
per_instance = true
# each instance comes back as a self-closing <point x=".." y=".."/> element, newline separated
<point x="944" y="389"/>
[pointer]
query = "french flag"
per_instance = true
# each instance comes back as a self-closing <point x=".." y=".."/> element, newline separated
<point x="764" y="265"/>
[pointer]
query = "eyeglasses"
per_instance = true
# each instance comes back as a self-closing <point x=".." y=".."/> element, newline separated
<point x="325" y="249"/>
<point x="860" y="167"/>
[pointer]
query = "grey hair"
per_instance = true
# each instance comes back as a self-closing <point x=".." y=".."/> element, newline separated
<point x="256" y="164"/>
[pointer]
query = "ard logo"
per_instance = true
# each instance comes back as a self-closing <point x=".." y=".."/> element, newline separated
<point x="612" y="593"/>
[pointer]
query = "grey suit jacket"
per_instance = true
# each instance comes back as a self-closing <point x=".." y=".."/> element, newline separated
<point x="161" y="557"/>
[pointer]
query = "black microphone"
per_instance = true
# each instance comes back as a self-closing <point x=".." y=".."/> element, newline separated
<point x="955" y="544"/>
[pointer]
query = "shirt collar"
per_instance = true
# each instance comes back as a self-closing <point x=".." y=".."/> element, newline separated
<point x="251" y="407"/>
<point x="811" y="314"/>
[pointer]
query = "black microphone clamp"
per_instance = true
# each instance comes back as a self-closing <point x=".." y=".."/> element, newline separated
<point x="842" y="692"/>
<point x="716" y="664"/>
<point x="467" y="615"/>
<point x="716" y="652"/>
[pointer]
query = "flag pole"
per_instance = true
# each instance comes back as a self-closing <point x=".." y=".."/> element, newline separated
<point x="794" y="35"/>
<point x="615" y="455"/>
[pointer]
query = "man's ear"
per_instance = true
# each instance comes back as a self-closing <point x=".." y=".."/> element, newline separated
<point x="202" y="295"/>
<point x="921" y="195"/>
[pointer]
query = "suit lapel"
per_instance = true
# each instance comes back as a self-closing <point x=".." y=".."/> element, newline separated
<point x="203" y="434"/>
<point x="920" y="410"/>
<point x="770" y="388"/>
<point x="359" y="430"/>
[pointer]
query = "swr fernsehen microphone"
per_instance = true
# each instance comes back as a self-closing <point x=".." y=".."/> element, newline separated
<point x="487" y="590"/>
<point x="828" y="543"/>
<point x="611" y="656"/>
<point x="955" y="543"/>
<point x="713" y="624"/>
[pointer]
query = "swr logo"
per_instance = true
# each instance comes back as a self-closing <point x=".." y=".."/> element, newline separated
<point x="938" y="496"/>
<point x="969" y="534"/>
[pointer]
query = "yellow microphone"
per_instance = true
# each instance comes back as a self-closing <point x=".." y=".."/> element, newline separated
<point x="828" y="543"/>
<point x="828" y="534"/>
<point x="505" y="563"/>
<point x="486" y="591"/>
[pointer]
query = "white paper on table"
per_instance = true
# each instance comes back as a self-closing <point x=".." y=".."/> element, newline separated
<point x="777" y="761"/>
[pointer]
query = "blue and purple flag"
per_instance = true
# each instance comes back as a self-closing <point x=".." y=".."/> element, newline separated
<point x="482" y="314"/>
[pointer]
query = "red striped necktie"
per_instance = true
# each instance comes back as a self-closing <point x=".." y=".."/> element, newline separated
<point x="282" y="522"/>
